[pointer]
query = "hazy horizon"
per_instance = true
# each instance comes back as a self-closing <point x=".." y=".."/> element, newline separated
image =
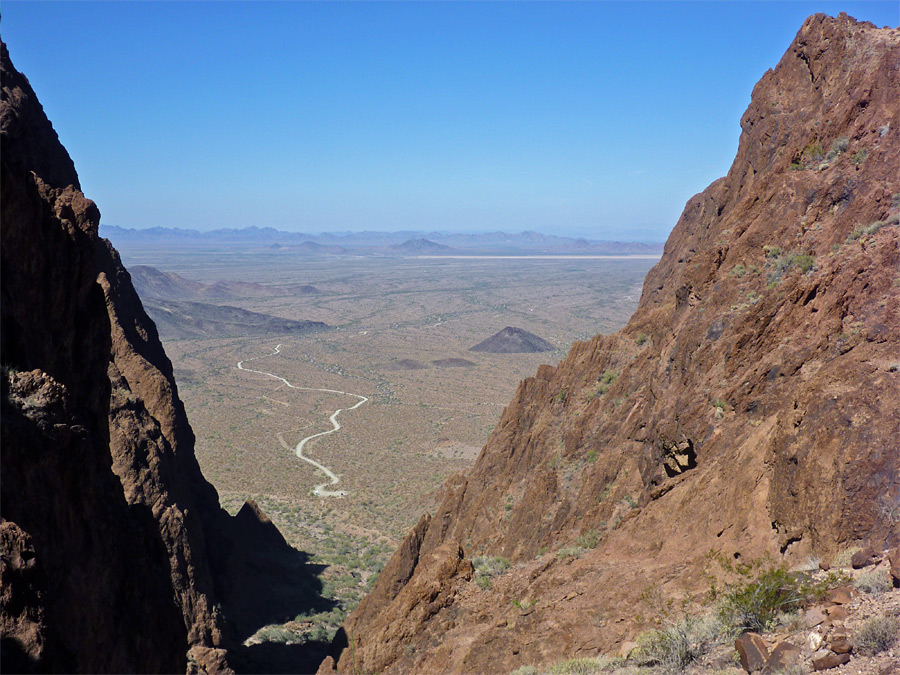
<point x="596" y="120"/>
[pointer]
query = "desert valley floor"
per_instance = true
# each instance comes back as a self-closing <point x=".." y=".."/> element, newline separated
<point x="401" y="332"/>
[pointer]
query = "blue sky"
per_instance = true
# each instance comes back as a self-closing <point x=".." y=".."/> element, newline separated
<point x="596" y="119"/>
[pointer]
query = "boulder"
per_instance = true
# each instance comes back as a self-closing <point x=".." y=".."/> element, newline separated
<point x="864" y="558"/>
<point x="753" y="652"/>
<point x="784" y="657"/>
<point x="830" y="661"/>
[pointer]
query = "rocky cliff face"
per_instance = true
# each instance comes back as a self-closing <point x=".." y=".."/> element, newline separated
<point x="115" y="554"/>
<point x="750" y="406"/>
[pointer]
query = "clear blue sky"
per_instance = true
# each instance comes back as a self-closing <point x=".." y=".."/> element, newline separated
<point x="596" y="119"/>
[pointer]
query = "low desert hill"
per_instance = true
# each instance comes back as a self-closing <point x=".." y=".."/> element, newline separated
<point x="512" y="340"/>
<point x="183" y="320"/>
<point x="748" y="408"/>
<point x="150" y="282"/>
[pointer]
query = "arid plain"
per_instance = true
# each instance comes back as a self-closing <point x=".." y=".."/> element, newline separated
<point x="401" y="329"/>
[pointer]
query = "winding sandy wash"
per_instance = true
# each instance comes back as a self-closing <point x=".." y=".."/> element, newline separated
<point x="319" y="490"/>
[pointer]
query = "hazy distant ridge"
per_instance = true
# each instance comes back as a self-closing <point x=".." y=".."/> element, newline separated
<point x="268" y="236"/>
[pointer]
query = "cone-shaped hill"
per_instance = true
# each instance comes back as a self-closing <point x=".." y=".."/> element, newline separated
<point x="513" y="341"/>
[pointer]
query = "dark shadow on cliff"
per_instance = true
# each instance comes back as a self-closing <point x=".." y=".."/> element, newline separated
<point x="275" y="657"/>
<point x="262" y="580"/>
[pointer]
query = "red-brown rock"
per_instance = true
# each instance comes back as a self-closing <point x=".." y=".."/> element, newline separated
<point x="784" y="657"/>
<point x="841" y="595"/>
<point x="753" y="652"/>
<point x="799" y="350"/>
<point x="864" y="558"/>
<point x="830" y="661"/>
<point x="894" y="558"/>
<point x="840" y="644"/>
<point x="116" y="556"/>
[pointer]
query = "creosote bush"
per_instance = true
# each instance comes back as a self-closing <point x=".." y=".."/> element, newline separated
<point x="761" y="591"/>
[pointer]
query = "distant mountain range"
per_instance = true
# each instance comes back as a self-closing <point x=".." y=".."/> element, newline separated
<point x="405" y="242"/>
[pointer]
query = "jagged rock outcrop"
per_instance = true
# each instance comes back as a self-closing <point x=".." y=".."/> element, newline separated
<point x="116" y="556"/>
<point x="749" y="407"/>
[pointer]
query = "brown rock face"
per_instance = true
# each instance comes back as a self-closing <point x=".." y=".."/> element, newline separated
<point x="107" y="523"/>
<point x="749" y="406"/>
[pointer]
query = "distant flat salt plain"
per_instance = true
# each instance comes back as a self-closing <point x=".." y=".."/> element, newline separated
<point x="636" y="256"/>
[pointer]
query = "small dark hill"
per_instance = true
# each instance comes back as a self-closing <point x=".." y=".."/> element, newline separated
<point x="452" y="363"/>
<point x="422" y="246"/>
<point x="405" y="364"/>
<point x="513" y="341"/>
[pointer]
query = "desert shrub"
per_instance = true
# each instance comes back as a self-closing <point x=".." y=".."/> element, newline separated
<point x="591" y="455"/>
<point x="859" y="157"/>
<point x="589" y="539"/>
<point x="874" y="582"/>
<point x="884" y="129"/>
<point x="796" y="167"/>
<point x="677" y="645"/>
<point x="762" y="591"/>
<point x="738" y="270"/>
<point x="877" y="635"/>
<point x="525" y="670"/>
<point x="641" y="339"/>
<point x="840" y="144"/>
<point x="487" y="567"/>
<point x="803" y="261"/>
<point x="608" y="376"/>
<point x="813" y="152"/>
<point x="572" y="551"/>
<point x="604" y="383"/>
<point x="577" y="667"/>
<point x="844" y="558"/>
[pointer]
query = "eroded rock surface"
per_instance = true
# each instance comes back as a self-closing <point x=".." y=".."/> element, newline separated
<point x="749" y="406"/>
<point x="116" y="556"/>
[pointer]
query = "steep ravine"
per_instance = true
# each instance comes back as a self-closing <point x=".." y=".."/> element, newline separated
<point x="116" y="556"/>
<point x="750" y="406"/>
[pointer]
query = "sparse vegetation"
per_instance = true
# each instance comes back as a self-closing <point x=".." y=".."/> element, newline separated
<point x="779" y="263"/>
<point x="487" y="567"/>
<point x="874" y="582"/>
<point x="604" y="383"/>
<point x="738" y="270"/>
<point x="843" y="558"/>
<point x="859" y="157"/>
<point x="839" y="146"/>
<point x="877" y="635"/>
<point x="641" y="339"/>
<point x="589" y="539"/>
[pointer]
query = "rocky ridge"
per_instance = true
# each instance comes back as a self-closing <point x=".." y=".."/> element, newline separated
<point x="749" y="407"/>
<point x="116" y="556"/>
